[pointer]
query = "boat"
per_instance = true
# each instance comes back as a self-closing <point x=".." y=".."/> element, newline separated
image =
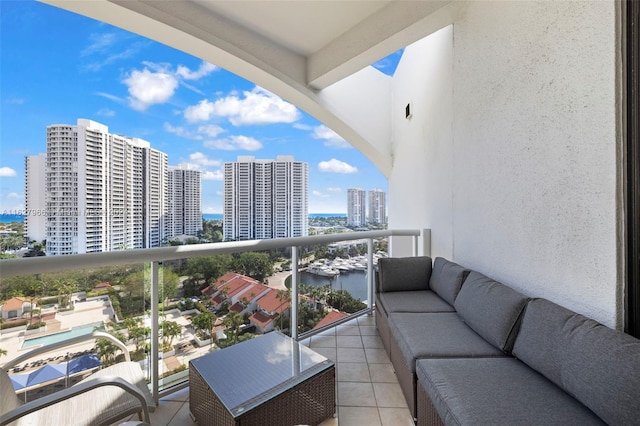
<point x="323" y="271"/>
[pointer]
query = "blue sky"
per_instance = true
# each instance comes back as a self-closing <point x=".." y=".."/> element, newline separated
<point x="56" y="67"/>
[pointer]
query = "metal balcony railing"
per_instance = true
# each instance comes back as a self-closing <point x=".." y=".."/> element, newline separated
<point x="155" y="256"/>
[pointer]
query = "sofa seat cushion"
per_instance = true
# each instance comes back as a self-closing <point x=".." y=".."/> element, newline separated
<point x="597" y="365"/>
<point x="404" y="273"/>
<point x="447" y="278"/>
<point x="413" y="301"/>
<point x="492" y="309"/>
<point x="436" y="335"/>
<point x="497" y="391"/>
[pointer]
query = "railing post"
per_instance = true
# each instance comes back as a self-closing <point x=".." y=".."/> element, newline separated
<point x="294" y="293"/>
<point x="370" y="273"/>
<point x="155" y="330"/>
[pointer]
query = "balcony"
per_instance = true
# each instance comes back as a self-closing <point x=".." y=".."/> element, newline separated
<point x="367" y="388"/>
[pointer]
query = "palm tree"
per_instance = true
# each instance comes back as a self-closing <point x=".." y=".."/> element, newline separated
<point x="233" y="320"/>
<point x="204" y="321"/>
<point x="284" y="296"/>
<point x="170" y="330"/>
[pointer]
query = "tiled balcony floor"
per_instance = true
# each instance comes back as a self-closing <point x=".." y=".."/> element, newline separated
<point x="367" y="388"/>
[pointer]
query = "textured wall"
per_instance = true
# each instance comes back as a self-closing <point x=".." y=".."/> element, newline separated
<point x="524" y="187"/>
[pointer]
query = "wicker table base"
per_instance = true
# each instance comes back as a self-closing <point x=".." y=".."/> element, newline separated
<point x="308" y="401"/>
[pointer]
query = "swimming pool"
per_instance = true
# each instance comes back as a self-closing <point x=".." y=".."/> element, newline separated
<point x="80" y="330"/>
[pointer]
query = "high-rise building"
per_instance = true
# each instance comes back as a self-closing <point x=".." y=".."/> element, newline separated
<point x="103" y="191"/>
<point x="35" y="218"/>
<point x="184" y="215"/>
<point x="265" y="198"/>
<point x="377" y="207"/>
<point x="356" y="207"/>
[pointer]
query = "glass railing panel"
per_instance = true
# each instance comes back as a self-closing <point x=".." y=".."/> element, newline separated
<point x="53" y="307"/>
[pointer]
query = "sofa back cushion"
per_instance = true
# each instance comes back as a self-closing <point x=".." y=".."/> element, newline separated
<point x="491" y="309"/>
<point x="447" y="278"/>
<point x="404" y="273"/>
<point x="597" y="365"/>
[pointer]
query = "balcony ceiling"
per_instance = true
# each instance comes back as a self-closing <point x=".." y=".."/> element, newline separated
<point x="317" y="42"/>
<point x="293" y="48"/>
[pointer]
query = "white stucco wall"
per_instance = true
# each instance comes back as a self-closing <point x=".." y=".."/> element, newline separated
<point x="511" y="160"/>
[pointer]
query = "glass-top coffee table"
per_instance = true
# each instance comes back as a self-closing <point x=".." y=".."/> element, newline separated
<point x="268" y="380"/>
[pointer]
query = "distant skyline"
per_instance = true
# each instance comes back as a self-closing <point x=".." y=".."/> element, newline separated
<point x="57" y="66"/>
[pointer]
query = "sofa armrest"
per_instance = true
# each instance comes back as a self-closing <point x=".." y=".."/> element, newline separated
<point x="403" y="273"/>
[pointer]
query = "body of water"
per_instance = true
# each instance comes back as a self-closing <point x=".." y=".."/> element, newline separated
<point x="8" y="218"/>
<point x="63" y="335"/>
<point x="355" y="282"/>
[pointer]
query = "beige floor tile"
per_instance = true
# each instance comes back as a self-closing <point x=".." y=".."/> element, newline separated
<point x="389" y="395"/>
<point x="372" y="342"/>
<point x="327" y="352"/>
<point x="355" y="394"/>
<point x="359" y="416"/>
<point x="165" y="411"/>
<point x="331" y="421"/>
<point x="349" y="341"/>
<point x="377" y="356"/>
<point x="368" y="330"/>
<point x="382" y="373"/>
<point x="367" y="320"/>
<point x="181" y="395"/>
<point x="351" y="355"/>
<point x="395" y="417"/>
<point x="348" y="330"/>
<point x="182" y="417"/>
<point x="353" y="372"/>
<point x="323" y="341"/>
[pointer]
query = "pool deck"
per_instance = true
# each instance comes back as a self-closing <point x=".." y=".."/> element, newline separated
<point x="85" y="313"/>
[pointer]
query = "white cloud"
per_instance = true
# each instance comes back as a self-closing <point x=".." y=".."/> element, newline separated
<point x="320" y="194"/>
<point x="7" y="172"/>
<point x="233" y="143"/>
<point x="99" y="43"/>
<point x="213" y="175"/>
<point x="332" y="189"/>
<point x="15" y="101"/>
<point x="106" y="112"/>
<point x="336" y="166"/>
<point x="204" y="70"/>
<point x="210" y="130"/>
<point x="147" y="88"/>
<point x="202" y="160"/>
<point x="14" y="195"/>
<point x="331" y="138"/>
<point x="257" y="107"/>
<point x="301" y="126"/>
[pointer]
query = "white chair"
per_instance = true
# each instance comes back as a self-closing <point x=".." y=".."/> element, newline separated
<point x="110" y="394"/>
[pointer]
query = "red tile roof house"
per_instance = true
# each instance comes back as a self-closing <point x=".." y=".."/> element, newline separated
<point x="16" y="307"/>
<point x="248" y="300"/>
<point x="269" y="308"/>
<point x="232" y="288"/>
<point x="331" y="317"/>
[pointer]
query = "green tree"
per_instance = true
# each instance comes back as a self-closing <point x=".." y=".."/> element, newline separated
<point x="37" y="249"/>
<point x="107" y="351"/>
<point x="233" y="321"/>
<point x="257" y="265"/>
<point x="169" y="330"/>
<point x="207" y="269"/>
<point x="284" y="296"/>
<point x="204" y="323"/>
<point x="169" y="284"/>
<point x="343" y="301"/>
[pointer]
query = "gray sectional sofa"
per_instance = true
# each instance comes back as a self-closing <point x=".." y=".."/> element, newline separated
<point x="469" y="350"/>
